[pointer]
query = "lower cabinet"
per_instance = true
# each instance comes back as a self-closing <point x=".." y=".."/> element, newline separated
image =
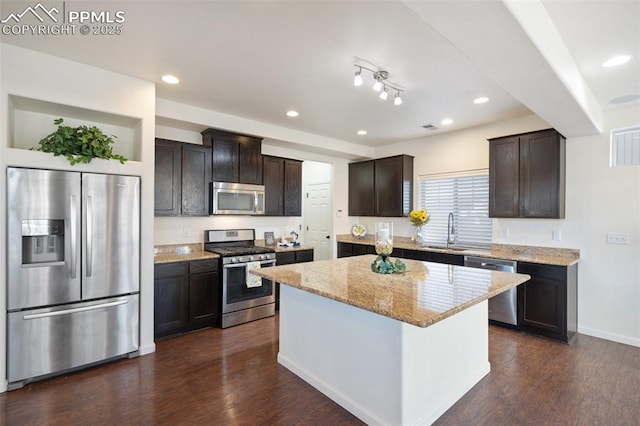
<point x="288" y="258"/>
<point x="186" y="296"/>
<point x="548" y="303"/>
<point x="350" y="249"/>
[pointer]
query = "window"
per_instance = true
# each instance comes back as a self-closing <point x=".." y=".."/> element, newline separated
<point x="625" y="146"/>
<point x="466" y="195"/>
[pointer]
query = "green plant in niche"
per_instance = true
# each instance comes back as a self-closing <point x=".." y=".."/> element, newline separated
<point x="79" y="144"/>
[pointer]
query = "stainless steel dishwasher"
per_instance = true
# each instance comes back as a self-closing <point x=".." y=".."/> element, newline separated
<point x="503" y="308"/>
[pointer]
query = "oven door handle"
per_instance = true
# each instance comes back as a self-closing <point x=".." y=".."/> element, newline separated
<point x="244" y="264"/>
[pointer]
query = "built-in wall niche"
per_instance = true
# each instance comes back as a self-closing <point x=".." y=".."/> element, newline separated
<point x="30" y="120"/>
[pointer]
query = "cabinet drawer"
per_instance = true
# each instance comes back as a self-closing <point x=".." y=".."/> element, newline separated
<point x="304" y="256"/>
<point x="550" y="272"/>
<point x="200" y="266"/>
<point x="167" y="270"/>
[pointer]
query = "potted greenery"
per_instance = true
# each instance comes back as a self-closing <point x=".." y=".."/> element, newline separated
<point x="79" y="144"/>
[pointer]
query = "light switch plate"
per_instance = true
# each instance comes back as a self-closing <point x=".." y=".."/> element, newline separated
<point x="556" y="235"/>
<point x="617" y="238"/>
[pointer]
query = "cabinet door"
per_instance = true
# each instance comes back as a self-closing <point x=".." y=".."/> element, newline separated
<point x="285" y="258"/>
<point x="393" y="186"/>
<point x="304" y="256"/>
<point x="273" y="179"/>
<point x="292" y="188"/>
<point x="361" y="188"/>
<point x="203" y="300"/>
<point x="541" y="175"/>
<point x="417" y="255"/>
<point x="250" y="161"/>
<point x="171" y="299"/>
<point x="345" y="250"/>
<point x="196" y="175"/>
<point x="224" y="160"/>
<point x="542" y="300"/>
<point x="504" y="177"/>
<point x="167" y="186"/>
<point x="448" y="258"/>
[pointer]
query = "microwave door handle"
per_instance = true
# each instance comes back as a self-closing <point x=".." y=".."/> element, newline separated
<point x="255" y="201"/>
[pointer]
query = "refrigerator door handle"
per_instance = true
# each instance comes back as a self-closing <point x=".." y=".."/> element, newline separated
<point x="89" y="235"/>
<point x="73" y="219"/>
<point x="75" y="310"/>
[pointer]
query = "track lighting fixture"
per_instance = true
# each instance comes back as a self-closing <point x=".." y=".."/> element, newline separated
<point x="380" y="83"/>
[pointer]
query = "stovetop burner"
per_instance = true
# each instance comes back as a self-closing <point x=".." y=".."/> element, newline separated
<point x="239" y="251"/>
<point x="236" y="243"/>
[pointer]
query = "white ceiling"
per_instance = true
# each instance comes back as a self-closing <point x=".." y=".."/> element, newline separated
<point x="259" y="59"/>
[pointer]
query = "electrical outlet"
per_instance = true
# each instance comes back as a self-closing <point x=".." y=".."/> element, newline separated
<point x="185" y="232"/>
<point x="556" y="235"/>
<point x="617" y="238"/>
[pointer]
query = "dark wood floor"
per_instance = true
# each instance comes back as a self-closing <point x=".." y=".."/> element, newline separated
<point x="231" y="377"/>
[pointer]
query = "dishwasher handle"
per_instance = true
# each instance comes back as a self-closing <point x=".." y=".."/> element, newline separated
<point x="490" y="264"/>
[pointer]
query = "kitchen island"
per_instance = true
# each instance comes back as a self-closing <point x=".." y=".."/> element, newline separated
<point x="391" y="349"/>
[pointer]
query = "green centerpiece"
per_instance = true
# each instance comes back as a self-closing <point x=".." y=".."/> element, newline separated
<point x="384" y="246"/>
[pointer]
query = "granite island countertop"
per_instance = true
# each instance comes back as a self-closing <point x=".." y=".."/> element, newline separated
<point x="520" y="253"/>
<point x="425" y="294"/>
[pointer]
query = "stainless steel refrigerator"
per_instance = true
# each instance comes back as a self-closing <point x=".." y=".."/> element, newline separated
<point x="73" y="270"/>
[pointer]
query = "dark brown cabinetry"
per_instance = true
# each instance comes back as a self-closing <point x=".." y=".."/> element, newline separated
<point x="282" y="179"/>
<point x="182" y="176"/>
<point x="547" y="304"/>
<point x="288" y="258"/>
<point x="349" y="249"/>
<point x="361" y="188"/>
<point x="527" y="175"/>
<point x="234" y="157"/>
<point x="381" y="187"/>
<point x="186" y="296"/>
<point x="168" y="169"/>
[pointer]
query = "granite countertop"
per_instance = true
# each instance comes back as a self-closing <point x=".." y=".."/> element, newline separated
<point x="532" y="254"/>
<point x="425" y="294"/>
<point x="283" y="249"/>
<point x="181" y="253"/>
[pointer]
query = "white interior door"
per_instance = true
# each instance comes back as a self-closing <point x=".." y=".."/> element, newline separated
<point x="318" y="219"/>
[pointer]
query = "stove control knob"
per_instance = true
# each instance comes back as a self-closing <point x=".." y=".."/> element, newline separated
<point x="234" y="260"/>
<point x="250" y="258"/>
<point x="262" y="257"/>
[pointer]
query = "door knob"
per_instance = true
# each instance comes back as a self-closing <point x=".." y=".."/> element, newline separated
<point x="327" y="237"/>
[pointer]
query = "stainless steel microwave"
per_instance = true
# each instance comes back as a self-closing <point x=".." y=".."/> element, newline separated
<point x="236" y="198"/>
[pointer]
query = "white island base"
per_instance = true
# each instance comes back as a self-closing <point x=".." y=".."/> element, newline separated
<point x="382" y="370"/>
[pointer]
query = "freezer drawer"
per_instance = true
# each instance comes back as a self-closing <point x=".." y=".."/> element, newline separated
<point x="50" y="340"/>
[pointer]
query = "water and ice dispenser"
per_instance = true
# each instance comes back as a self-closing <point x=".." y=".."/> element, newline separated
<point x="42" y="242"/>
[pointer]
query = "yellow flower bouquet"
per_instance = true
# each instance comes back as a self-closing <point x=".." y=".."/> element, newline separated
<point x="419" y="217"/>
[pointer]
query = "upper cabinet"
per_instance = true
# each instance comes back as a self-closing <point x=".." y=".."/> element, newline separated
<point x="381" y="187"/>
<point x="182" y="176"/>
<point x="282" y="179"/>
<point x="527" y="175"/>
<point x="234" y="157"/>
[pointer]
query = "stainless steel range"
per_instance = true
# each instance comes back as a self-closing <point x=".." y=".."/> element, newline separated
<point x="245" y="297"/>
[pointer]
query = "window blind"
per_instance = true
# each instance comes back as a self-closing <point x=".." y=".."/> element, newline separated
<point x="467" y="197"/>
<point x="625" y="146"/>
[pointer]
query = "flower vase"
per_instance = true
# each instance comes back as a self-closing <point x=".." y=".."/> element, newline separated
<point x="421" y="235"/>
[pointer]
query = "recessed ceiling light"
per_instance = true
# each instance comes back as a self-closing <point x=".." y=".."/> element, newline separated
<point x="292" y="113"/>
<point x="361" y="132"/>
<point x="170" y="79"/>
<point x="616" y="60"/>
<point x="481" y="100"/>
<point x="446" y="122"/>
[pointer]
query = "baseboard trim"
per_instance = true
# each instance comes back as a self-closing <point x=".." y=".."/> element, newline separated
<point x="618" y="338"/>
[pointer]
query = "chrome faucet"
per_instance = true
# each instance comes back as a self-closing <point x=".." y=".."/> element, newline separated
<point x="451" y="231"/>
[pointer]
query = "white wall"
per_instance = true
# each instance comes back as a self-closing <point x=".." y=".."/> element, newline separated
<point x="33" y="75"/>
<point x="599" y="199"/>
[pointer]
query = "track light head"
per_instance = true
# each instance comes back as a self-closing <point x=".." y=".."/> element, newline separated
<point x="397" y="100"/>
<point x="384" y="94"/>
<point x="357" y="80"/>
